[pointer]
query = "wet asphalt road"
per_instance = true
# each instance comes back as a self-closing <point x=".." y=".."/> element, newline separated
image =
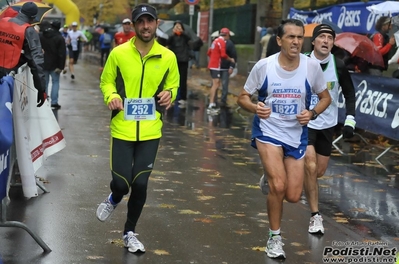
<point x="203" y="205"/>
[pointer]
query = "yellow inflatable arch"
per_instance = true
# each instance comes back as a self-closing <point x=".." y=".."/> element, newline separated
<point x="70" y="10"/>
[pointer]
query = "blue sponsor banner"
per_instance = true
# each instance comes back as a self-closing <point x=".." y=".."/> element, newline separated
<point x="4" y="172"/>
<point x="6" y="130"/>
<point x="377" y="105"/>
<point x="350" y="17"/>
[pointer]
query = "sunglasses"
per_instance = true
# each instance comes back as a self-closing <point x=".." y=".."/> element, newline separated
<point x="126" y="23"/>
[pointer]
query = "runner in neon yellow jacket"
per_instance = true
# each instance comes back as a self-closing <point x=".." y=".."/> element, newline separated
<point x="128" y="75"/>
<point x="140" y="78"/>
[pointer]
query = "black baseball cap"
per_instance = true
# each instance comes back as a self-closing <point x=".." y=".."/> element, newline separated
<point x="143" y="9"/>
<point x="29" y="9"/>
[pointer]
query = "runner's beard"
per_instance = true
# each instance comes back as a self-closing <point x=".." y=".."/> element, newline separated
<point x="152" y="36"/>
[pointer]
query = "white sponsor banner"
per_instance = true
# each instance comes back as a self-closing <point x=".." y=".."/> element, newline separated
<point x="37" y="133"/>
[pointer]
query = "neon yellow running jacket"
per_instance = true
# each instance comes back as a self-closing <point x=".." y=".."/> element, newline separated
<point x="127" y="75"/>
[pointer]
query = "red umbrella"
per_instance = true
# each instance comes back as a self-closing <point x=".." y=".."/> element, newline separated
<point x="360" y="46"/>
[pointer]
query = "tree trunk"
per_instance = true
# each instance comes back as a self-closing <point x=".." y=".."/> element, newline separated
<point x="261" y="9"/>
<point x="287" y="4"/>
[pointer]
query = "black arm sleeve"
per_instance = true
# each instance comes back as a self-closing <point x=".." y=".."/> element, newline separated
<point x="33" y="53"/>
<point x="348" y="89"/>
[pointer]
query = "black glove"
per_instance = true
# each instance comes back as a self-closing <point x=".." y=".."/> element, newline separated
<point x="349" y="127"/>
<point x="41" y="98"/>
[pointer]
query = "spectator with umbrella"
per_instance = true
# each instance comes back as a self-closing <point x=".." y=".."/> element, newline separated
<point x="383" y="42"/>
<point x="179" y="42"/>
<point x="361" y="47"/>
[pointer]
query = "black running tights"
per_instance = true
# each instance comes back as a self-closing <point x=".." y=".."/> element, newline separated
<point x="131" y="165"/>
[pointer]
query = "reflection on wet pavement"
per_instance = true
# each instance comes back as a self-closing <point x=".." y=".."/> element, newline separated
<point x="356" y="189"/>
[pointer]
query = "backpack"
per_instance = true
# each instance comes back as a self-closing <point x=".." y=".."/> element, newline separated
<point x="197" y="44"/>
<point x="107" y="39"/>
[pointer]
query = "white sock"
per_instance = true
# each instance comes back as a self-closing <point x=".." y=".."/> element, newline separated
<point x="274" y="232"/>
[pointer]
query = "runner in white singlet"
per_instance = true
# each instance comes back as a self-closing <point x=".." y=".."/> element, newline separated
<point x="284" y="83"/>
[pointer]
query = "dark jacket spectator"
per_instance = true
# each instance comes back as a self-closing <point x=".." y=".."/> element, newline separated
<point x="179" y="43"/>
<point x="232" y="53"/>
<point x="53" y="44"/>
<point x="272" y="46"/>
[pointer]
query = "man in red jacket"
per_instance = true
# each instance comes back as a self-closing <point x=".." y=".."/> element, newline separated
<point x="126" y="34"/>
<point x="216" y="53"/>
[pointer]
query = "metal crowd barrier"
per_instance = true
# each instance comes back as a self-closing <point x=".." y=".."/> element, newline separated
<point x="11" y="181"/>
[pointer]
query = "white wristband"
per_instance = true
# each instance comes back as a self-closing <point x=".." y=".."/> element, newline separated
<point x="350" y="121"/>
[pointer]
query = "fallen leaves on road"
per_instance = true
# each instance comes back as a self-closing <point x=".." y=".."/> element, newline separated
<point x="258" y="248"/>
<point x="302" y="252"/>
<point x="242" y="232"/>
<point x="161" y="252"/>
<point x="94" y="257"/>
<point x="216" y="216"/>
<point x="188" y="211"/>
<point x="341" y="220"/>
<point x="359" y="180"/>
<point x="360" y="210"/>
<point x="205" y="198"/>
<point x="166" y="206"/>
<point x="364" y="220"/>
<point x="117" y="242"/>
<point x="203" y="220"/>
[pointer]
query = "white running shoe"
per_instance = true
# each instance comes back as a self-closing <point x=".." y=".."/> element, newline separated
<point x="274" y="247"/>
<point x="316" y="225"/>
<point x="132" y="243"/>
<point x="212" y="109"/>
<point x="263" y="185"/>
<point x="105" y="210"/>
